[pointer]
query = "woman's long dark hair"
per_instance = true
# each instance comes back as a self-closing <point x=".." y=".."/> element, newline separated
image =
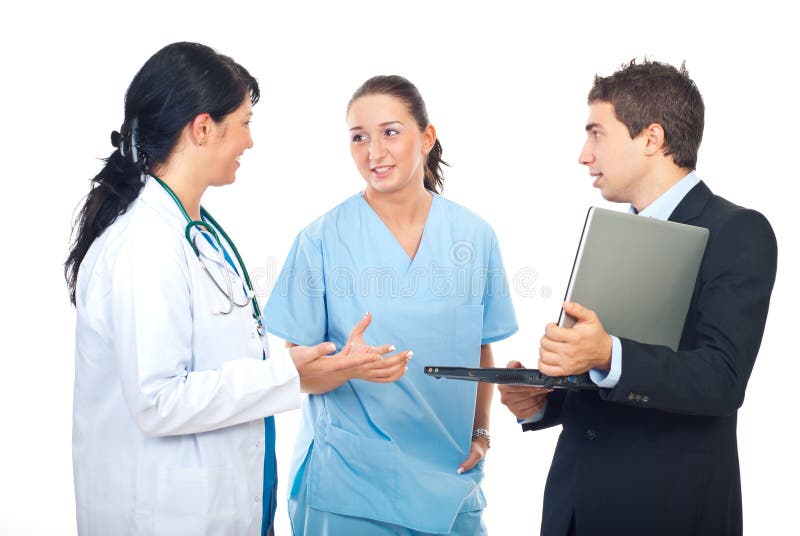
<point x="399" y="87"/>
<point x="179" y="82"/>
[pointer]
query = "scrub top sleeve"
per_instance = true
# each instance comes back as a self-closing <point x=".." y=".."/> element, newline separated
<point x="152" y="332"/>
<point x="499" y="320"/>
<point x="295" y="310"/>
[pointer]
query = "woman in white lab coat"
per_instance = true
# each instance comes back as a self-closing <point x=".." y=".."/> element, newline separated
<point x="173" y="377"/>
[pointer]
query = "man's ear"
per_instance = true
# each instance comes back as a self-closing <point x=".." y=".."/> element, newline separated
<point x="654" y="138"/>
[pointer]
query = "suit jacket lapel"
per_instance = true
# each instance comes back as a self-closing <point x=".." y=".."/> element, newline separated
<point x="692" y="204"/>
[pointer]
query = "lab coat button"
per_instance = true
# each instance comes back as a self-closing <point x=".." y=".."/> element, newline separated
<point x="590" y="434"/>
<point x="258" y="444"/>
<point x="257" y="498"/>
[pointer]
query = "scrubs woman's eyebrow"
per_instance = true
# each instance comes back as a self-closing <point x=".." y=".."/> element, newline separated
<point x="384" y="124"/>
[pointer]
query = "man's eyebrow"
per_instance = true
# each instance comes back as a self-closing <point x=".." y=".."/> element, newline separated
<point x="592" y="126"/>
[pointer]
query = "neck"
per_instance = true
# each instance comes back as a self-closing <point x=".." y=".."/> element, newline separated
<point x="657" y="184"/>
<point x="405" y="207"/>
<point x="185" y="186"/>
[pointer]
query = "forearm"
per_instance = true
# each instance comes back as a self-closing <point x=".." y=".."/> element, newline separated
<point x="319" y="385"/>
<point x="483" y="402"/>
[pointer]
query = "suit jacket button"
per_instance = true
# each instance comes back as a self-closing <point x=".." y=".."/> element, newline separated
<point x="590" y="434"/>
<point x="631" y="396"/>
<point x="645" y="398"/>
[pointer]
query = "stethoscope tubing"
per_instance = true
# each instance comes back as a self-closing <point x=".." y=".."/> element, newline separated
<point x="214" y="226"/>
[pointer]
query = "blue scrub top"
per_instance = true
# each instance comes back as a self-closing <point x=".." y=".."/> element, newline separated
<point x="390" y="451"/>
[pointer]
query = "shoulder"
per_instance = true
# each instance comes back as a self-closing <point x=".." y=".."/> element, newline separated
<point x="723" y="217"/>
<point x="339" y="217"/>
<point x="144" y="233"/>
<point x="462" y="216"/>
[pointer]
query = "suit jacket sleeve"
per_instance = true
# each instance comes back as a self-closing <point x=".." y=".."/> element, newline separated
<point x="722" y="335"/>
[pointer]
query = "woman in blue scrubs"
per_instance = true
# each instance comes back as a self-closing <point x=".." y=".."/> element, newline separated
<point x="393" y="453"/>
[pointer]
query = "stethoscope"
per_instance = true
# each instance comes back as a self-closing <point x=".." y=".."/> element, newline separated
<point x="206" y="228"/>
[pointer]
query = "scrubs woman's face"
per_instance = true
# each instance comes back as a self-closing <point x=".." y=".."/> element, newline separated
<point x="228" y="140"/>
<point x="386" y="143"/>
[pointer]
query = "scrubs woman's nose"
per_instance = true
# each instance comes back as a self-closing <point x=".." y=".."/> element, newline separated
<point x="376" y="149"/>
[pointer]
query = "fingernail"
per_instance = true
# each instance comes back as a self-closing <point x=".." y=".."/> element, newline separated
<point x="392" y="348"/>
<point x="460" y="470"/>
<point x="331" y="347"/>
<point x="406" y="369"/>
<point x="410" y="354"/>
<point x="366" y="314"/>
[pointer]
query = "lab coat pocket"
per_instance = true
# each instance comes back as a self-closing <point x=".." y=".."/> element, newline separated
<point x="467" y="332"/>
<point x="194" y="500"/>
<point x="353" y="475"/>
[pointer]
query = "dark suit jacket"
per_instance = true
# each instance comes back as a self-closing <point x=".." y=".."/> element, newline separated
<point x="657" y="454"/>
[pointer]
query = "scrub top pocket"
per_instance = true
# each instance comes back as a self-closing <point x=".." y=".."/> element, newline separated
<point x="352" y="475"/>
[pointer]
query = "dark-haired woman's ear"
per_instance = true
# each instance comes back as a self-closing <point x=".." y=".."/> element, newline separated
<point x="200" y="128"/>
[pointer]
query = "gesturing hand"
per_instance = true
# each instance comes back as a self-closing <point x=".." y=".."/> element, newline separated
<point x="385" y="370"/>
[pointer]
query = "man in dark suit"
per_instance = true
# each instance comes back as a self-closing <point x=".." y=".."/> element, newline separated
<point x="654" y="450"/>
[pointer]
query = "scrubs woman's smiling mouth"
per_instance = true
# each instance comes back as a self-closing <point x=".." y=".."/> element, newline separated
<point x="382" y="171"/>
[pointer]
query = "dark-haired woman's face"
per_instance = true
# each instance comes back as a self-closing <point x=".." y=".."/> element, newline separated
<point x="228" y="140"/>
<point x="386" y="143"/>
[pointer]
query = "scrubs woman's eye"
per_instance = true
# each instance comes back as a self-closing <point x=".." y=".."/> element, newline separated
<point x="389" y="132"/>
<point x="357" y="138"/>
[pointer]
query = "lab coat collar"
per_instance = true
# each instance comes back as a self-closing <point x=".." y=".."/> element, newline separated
<point x="154" y="195"/>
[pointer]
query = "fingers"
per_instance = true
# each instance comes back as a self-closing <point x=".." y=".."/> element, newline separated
<point x="305" y="354"/>
<point x="351" y="360"/>
<point x="556" y="333"/>
<point x="388" y="369"/>
<point x="476" y="453"/>
<point x="514" y="364"/>
<point x="551" y="370"/>
<point x="358" y="330"/>
<point x="580" y="312"/>
<point x="382" y="350"/>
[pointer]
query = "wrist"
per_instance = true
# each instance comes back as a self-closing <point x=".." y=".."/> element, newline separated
<point x="482" y="433"/>
<point x="603" y="362"/>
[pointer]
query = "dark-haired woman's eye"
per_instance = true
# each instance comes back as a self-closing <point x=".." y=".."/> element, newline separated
<point x="389" y="132"/>
<point x="357" y="138"/>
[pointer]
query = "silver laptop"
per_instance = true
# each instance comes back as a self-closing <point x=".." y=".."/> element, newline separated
<point x="637" y="274"/>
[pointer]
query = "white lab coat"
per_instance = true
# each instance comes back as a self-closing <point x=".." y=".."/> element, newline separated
<point x="168" y="431"/>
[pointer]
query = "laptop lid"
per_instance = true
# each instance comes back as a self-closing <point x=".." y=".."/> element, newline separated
<point x="637" y="273"/>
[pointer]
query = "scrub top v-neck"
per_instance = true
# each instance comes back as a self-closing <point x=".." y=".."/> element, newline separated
<point x="389" y="452"/>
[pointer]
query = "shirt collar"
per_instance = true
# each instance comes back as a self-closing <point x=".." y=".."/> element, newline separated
<point x="662" y="208"/>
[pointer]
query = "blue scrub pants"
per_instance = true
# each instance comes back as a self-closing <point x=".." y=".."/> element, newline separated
<point x="307" y="521"/>
<point x="313" y="522"/>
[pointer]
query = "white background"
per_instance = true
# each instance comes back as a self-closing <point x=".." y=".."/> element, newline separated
<point x="505" y="83"/>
